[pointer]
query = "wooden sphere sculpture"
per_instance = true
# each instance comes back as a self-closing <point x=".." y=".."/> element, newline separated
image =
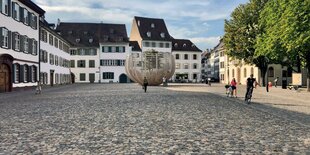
<point x="152" y="64"/>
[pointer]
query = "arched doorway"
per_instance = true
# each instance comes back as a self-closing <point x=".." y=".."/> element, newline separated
<point x="5" y="73"/>
<point x="123" y="78"/>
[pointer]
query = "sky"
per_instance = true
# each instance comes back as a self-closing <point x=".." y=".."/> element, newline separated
<point x="201" y="21"/>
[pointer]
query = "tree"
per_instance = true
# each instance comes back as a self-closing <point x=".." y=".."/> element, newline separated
<point x="286" y="33"/>
<point x="241" y="32"/>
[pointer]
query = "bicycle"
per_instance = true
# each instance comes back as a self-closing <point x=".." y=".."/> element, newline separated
<point x="249" y="96"/>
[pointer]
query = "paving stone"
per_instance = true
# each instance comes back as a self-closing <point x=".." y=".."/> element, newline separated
<point x="121" y="119"/>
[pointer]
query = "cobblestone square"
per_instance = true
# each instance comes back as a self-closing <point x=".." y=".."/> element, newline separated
<point x="122" y="119"/>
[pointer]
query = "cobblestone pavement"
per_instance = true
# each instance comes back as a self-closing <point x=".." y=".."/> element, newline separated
<point x="122" y="119"/>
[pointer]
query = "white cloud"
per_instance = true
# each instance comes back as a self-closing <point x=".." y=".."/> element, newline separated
<point x="206" y="42"/>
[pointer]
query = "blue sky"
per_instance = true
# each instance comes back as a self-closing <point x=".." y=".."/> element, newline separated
<point x="201" y="21"/>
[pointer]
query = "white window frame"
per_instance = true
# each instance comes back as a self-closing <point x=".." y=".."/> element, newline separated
<point x="26" y="44"/>
<point x="16" y="11"/>
<point x="5" y="7"/>
<point x="17" y="41"/>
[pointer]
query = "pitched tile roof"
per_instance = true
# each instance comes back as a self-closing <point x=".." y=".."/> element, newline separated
<point x="152" y="29"/>
<point x="135" y="46"/>
<point x="184" y="45"/>
<point x="91" y="34"/>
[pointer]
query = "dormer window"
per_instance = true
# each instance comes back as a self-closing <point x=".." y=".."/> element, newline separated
<point x="175" y="44"/>
<point x="184" y="45"/>
<point x="152" y="25"/>
<point x="193" y="45"/>
<point x="105" y="38"/>
<point x="162" y="35"/>
<point x="91" y="40"/>
<point x="138" y="22"/>
<point x="77" y="40"/>
<point x="149" y="34"/>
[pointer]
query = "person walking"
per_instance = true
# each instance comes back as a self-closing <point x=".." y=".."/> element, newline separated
<point x="233" y="85"/>
<point x="145" y="83"/>
<point x="276" y="82"/>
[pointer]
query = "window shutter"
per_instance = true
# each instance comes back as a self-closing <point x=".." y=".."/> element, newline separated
<point x="1" y="36"/>
<point x="29" y="19"/>
<point x="9" y="39"/>
<point x="30" y="74"/>
<point x="9" y="7"/>
<point x="124" y="49"/>
<point x="21" y="43"/>
<point x="35" y="47"/>
<point x="13" y="73"/>
<point x="21" y="73"/>
<point x="36" y="22"/>
<point x="21" y="14"/>
<point x="30" y="45"/>
<point x="14" y="41"/>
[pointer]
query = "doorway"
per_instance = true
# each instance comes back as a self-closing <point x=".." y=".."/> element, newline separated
<point x="4" y="78"/>
<point x="123" y="78"/>
<point x="52" y="77"/>
<point x="91" y="77"/>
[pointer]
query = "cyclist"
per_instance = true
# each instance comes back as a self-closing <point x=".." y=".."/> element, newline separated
<point x="251" y="83"/>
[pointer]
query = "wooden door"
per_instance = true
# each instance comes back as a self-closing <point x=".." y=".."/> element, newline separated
<point x="4" y="78"/>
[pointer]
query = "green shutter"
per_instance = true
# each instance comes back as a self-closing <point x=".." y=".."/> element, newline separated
<point x="30" y="73"/>
<point x="1" y="36"/>
<point x="13" y="73"/>
<point x="21" y="73"/>
<point x="9" y="39"/>
<point x="9" y="7"/>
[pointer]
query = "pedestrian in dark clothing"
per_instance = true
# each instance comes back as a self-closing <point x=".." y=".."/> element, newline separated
<point x="145" y="83"/>
<point x="251" y="83"/>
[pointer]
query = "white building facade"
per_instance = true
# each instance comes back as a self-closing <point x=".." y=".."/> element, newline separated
<point x="54" y="57"/>
<point x="98" y="51"/>
<point x="19" y="44"/>
<point x="187" y="60"/>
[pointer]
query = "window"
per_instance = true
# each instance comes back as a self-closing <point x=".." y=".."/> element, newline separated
<point x="51" y="39"/>
<point x="109" y="49"/>
<point x="195" y="57"/>
<point x="56" y="60"/>
<point x="72" y="63"/>
<point x="177" y="66"/>
<point x="245" y="72"/>
<point x="222" y="65"/>
<point x="153" y="44"/>
<point x="26" y="72"/>
<point x="34" y="47"/>
<point x="56" y="42"/>
<point x="147" y="44"/>
<point x="45" y="57"/>
<point x="195" y="66"/>
<point x="93" y="51"/>
<point x="149" y="34"/>
<point x="60" y="44"/>
<point x="91" y="63"/>
<point x="195" y="76"/>
<point x="161" y="45"/>
<point x="15" y="11"/>
<point x="177" y="56"/>
<point x="34" y="74"/>
<point x="5" y="7"/>
<point x="16" y="41"/>
<point x="185" y="56"/>
<point x="17" y="73"/>
<point x="33" y="21"/>
<point x="81" y="63"/>
<point x="25" y="16"/>
<point x="270" y="72"/>
<point x="26" y="44"/>
<point x="52" y="59"/>
<point x="116" y="49"/>
<point x="82" y="77"/>
<point x="107" y="75"/>
<point x="167" y="45"/>
<point x="72" y="52"/>
<point x="233" y="73"/>
<point x="5" y="38"/>
<point x="185" y="66"/>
